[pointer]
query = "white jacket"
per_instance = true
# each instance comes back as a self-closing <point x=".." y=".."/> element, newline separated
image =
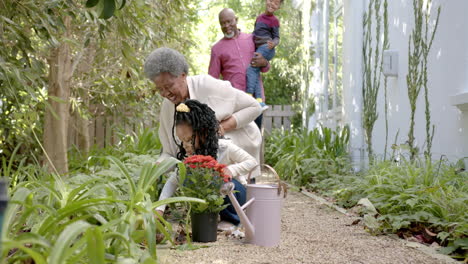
<point x="226" y="101"/>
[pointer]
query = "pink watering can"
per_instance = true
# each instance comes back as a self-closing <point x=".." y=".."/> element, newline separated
<point x="262" y="219"/>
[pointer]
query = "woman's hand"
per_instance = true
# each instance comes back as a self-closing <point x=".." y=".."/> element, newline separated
<point x="227" y="125"/>
<point x="220" y="130"/>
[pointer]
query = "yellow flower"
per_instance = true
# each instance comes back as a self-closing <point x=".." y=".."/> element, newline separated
<point x="182" y="108"/>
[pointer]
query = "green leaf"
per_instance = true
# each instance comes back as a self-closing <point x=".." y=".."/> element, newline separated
<point x="125" y="172"/>
<point x="198" y="208"/>
<point x="447" y="250"/>
<point x="108" y="10"/>
<point x="31" y="238"/>
<point x="65" y="240"/>
<point x="77" y="192"/>
<point x="182" y="173"/>
<point x="138" y="236"/>
<point x="177" y="200"/>
<point x="120" y="237"/>
<point x="96" y="250"/>
<point x="36" y="256"/>
<point x="122" y="4"/>
<point x="443" y="235"/>
<point x="371" y="223"/>
<point x="150" y="232"/>
<point x="150" y="173"/>
<point x="69" y="210"/>
<point x="412" y="202"/>
<point x="368" y="206"/>
<point x="149" y="260"/>
<point x="91" y="3"/>
<point x="20" y="196"/>
<point x="461" y="242"/>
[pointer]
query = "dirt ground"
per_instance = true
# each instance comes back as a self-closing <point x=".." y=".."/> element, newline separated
<point x="311" y="233"/>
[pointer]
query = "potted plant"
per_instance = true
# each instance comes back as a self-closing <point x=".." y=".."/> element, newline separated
<point x="203" y="179"/>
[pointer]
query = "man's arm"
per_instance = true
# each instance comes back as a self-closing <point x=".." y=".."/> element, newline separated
<point x="215" y="65"/>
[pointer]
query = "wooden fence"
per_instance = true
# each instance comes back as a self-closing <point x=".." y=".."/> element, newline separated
<point x="106" y="129"/>
<point x="277" y="116"/>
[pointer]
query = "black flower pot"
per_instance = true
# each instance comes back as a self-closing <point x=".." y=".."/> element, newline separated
<point x="204" y="226"/>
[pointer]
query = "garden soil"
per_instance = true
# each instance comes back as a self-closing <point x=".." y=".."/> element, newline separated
<point x="311" y="233"/>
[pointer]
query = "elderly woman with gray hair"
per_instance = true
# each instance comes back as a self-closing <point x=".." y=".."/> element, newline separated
<point x="234" y="109"/>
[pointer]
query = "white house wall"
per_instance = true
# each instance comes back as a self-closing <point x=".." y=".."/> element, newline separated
<point x="447" y="76"/>
<point x="352" y="77"/>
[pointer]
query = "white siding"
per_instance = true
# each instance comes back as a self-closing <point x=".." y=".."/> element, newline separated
<point x="447" y="76"/>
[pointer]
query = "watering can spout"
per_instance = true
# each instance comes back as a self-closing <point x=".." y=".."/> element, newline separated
<point x="227" y="189"/>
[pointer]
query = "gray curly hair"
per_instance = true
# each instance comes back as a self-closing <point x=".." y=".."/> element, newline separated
<point x="165" y="60"/>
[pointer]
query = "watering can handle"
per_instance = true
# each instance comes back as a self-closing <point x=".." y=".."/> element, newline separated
<point x="281" y="185"/>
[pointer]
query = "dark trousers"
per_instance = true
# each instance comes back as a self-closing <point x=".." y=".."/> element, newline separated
<point x="258" y="121"/>
<point x="229" y="214"/>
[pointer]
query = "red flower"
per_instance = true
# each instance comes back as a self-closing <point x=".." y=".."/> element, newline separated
<point x="205" y="176"/>
<point x="198" y="163"/>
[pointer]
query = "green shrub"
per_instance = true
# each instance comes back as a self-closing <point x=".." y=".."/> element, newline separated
<point x="406" y="195"/>
<point x="303" y="157"/>
<point x="88" y="218"/>
<point x="431" y="194"/>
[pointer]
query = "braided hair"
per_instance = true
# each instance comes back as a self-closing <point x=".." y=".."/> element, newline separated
<point x="203" y="121"/>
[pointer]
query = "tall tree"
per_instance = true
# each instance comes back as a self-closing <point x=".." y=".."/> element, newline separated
<point x="43" y="42"/>
<point x="57" y="115"/>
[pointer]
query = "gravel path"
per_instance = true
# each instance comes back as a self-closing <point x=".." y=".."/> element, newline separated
<point x="311" y="233"/>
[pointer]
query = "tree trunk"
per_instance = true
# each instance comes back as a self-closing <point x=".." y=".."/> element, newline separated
<point x="57" y="113"/>
<point x="82" y="127"/>
<point x="82" y="123"/>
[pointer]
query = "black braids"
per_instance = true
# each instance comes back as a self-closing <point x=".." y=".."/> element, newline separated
<point x="181" y="153"/>
<point x="210" y="134"/>
<point x="204" y="124"/>
<point x="206" y="129"/>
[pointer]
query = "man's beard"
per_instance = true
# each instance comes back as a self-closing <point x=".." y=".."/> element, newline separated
<point x="229" y="36"/>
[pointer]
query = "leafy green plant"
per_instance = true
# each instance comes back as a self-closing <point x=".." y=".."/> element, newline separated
<point x="419" y="45"/>
<point x="372" y="52"/>
<point x="305" y="157"/>
<point x="202" y="177"/>
<point x="410" y="196"/>
<point x="87" y="218"/>
<point x="407" y="196"/>
<point x="144" y="144"/>
<point x="424" y="194"/>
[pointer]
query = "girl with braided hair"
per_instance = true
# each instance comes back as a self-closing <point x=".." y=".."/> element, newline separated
<point x="197" y="130"/>
<point x="195" y="121"/>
